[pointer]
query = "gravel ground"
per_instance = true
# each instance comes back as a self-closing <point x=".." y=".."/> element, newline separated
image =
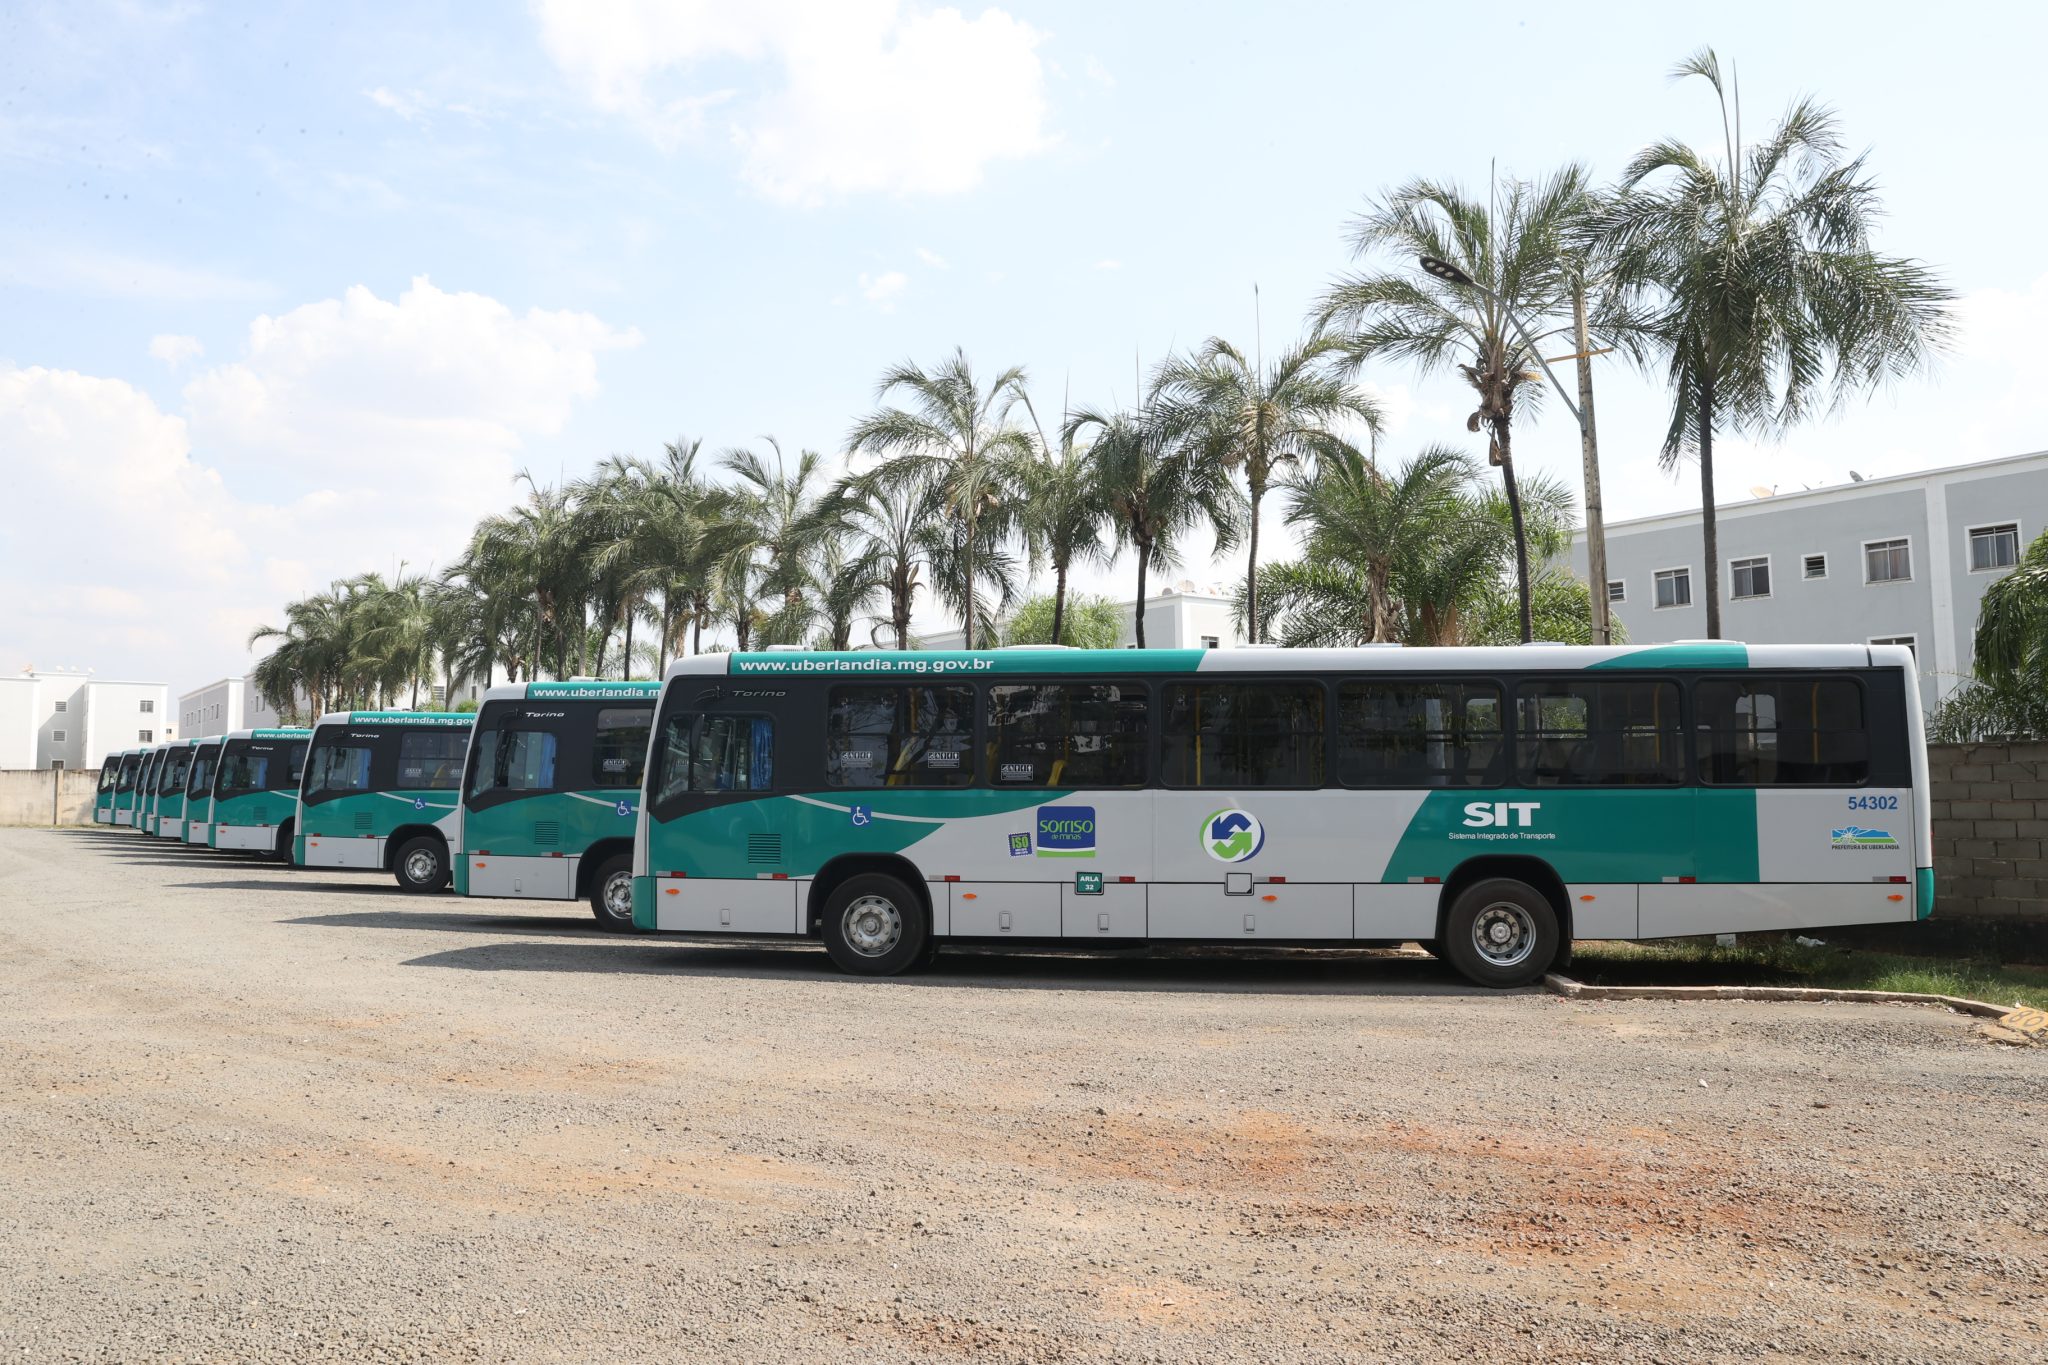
<point x="258" y="1114"/>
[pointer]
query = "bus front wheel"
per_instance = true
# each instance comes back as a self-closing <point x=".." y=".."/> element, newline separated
<point x="611" y="894"/>
<point x="1501" y="932"/>
<point x="421" y="865"/>
<point x="874" y="925"/>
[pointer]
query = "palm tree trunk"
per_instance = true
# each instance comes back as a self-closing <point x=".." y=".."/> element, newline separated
<point x="415" y="692"/>
<point x="1502" y="438"/>
<point x="697" y="633"/>
<point x="1059" y="601"/>
<point x="899" y="611"/>
<point x="1710" y="533"/>
<point x="967" y="563"/>
<point x="1251" y="571"/>
<point x="626" y="672"/>
<point x="1144" y="563"/>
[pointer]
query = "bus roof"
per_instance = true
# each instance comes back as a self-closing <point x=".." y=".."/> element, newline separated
<point x="433" y="719"/>
<point x="576" y="691"/>
<point x="1690" y="654"/>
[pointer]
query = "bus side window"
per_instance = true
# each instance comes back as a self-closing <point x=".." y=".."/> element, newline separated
<point x="1609" y="733"/>
<point x="1418" y="733"/>
<point x="618" y="755"/>
<point x="1799" y="731"/>
<point x="1067" y="735"/>
<point x="891" y="735"/>
<point x="430" y="760"/>
<point x="1251" y="734"/>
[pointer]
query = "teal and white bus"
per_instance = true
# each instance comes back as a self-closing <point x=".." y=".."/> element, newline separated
<point x="145" y="787"/>
<point x="170" y="789"/>
<point x="551" y="794"/>
<point x="380" y="792"/>
<point x="199" y="791"/>
<point x="125" y="787"/>
<point x="1491" y="804"/>
<point x="256" y="790"/>
<point x="103" y="795"/>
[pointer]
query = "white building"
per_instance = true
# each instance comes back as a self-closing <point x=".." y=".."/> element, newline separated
<point x="219" y="707"/>
<point x="1902" y="559"/>
<point x="69" y="719"/>
<point x="1179" y="617"/>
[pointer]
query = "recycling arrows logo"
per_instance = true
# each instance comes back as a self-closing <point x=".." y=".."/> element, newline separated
<point x="1232" y="836"/>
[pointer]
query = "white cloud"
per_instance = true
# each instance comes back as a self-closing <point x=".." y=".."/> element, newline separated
<point x="932" y="258"/>
<point x="175" y="350"/>
<point x="1109" y="263"/>
<point x="873" y="96"/>
<point x="112" y="274"/>
<point x="352" y="433"/>
<point x="882" y="290"/>
<point x="409" y="105"/>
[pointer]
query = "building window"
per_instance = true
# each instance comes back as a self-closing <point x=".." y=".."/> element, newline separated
<point x="1751" y="577"/>
<point x="56" y="736"/>
<point x="1209" y="642"/>
<point x="1674" y="588"/>
<point x="1815" y="566"/>
<point x="1909" y="641"/>
<point x="1991" y="547"/>
<point x="440" y="693"/>
<point x="63" y="706"/>
<point x="1617" y="590"/>
<point x="146" y="736"/>
<point x="148" y="708"/>
<point x="1887" y="561"/>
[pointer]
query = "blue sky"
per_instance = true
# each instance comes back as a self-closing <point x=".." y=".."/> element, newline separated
<point x="292" y="291"/>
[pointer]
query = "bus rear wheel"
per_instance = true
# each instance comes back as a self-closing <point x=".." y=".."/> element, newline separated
<point x="874" y="925"/>
<point x="611" y="894"/>
<point x="1501" y="933"/>
<point x="421" y="865"/>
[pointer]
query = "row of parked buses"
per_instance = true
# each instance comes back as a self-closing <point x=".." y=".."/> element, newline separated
<point x="1491" y="804"/>
<point x="533" y="795"/>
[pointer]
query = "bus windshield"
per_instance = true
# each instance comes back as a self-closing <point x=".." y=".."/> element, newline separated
<point x="199" y="782"/>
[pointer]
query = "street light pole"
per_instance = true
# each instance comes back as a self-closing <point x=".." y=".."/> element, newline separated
<point x="1581" y="411"/>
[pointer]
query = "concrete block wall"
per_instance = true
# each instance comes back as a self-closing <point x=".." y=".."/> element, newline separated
<point x="1990" y="830"/>
<point x="47" y="796"/>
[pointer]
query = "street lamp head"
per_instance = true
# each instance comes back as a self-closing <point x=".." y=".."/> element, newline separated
<point x="1444" y="270"/>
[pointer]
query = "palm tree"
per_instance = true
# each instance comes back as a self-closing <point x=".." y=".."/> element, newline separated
<point x="1155" y="490"/>
<point x="956" y="438"/>
<point x="1356" y="514"/>
<point x="1242" y="415"/>
<point x="1769" y="303"/>
<point x="1416" y="554"/>
<point x="771" y="524"/>
<point x="541" y="549"/>
<point x="892" y="533"/>
<point x="1509" y="263"/>
<point x="1064" y="517"/>
<point x="2012" y="623"/>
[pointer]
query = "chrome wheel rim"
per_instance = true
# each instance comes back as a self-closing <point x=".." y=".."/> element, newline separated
<point x="421" y="866"/>
<point x="618" y="895"/>
<point x="872" y="925"/>
<point x="1504" y="934"/>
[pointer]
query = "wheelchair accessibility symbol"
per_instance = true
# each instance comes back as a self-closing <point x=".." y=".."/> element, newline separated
<point x="625" y="808"/>
<point x="419" y="803"/>
<point x="861" y="815"/>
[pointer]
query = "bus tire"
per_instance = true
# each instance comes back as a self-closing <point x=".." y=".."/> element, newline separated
<point x="611" y="894"/>
<point x="281" y="851"/>
<point x="1501" y="933"/>
<point x="874" y="925"/>
<point x="421" y="865"/>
